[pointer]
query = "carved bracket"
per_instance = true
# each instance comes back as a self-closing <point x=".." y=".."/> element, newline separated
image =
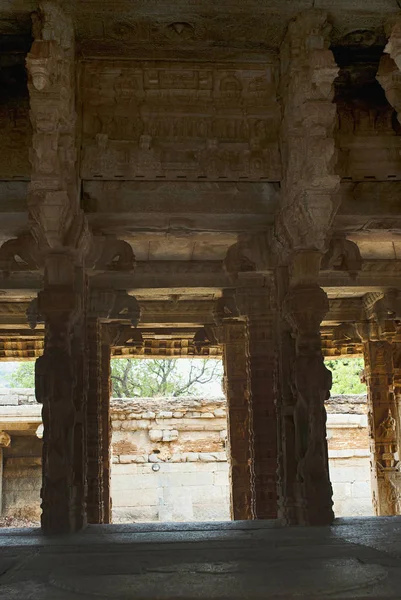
<point x="5" y="439"/>
<point x="342" y="255"/>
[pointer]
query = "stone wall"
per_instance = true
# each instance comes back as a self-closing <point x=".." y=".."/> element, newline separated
<point x="169" y="457"/>
<point x="349" y="455"/>
<point x="169" y="460"/>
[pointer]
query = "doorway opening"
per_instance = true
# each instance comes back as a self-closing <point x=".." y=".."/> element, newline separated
<point x="348" y="439"/>
<point x="20" y="446"/>
<point x="169" y="437"/>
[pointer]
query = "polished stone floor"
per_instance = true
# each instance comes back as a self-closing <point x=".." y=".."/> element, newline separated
<point x="356" y="558"/>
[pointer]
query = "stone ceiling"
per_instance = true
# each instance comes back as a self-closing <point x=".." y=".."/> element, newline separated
<point x="226" y="30"/>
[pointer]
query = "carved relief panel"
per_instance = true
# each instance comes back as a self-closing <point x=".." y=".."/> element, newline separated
<point x="149" y="121"/>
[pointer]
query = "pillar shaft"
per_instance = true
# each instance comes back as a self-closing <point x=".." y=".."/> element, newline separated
<point x="239" y="419"/>
<point x="95" y="506"/>
<point x="106" y="426"/>
<point x="1" y="481"/>
<point x="305" y="489"/>
<point x="384" y="429"/>
<point x="61" y="387"/>
<point x="261" y="370"/>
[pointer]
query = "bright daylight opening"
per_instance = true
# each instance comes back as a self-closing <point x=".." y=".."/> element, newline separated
<point x="168" y="442"/>
<point x="348" y="439"/>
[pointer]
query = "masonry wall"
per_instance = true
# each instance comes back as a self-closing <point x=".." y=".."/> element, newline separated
<point x="22" y="472"/>
<point x="349" y="455"/>
<point x="169" y="458"/>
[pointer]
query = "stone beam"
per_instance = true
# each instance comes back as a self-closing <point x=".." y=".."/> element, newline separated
<point x="344" y="310"/>
<point x="154" y="313"/>
<point x="180" y="205"/>
<point x="182" y="276"/>
<point x="169" y="275"/>
<point x="374" y="275"/>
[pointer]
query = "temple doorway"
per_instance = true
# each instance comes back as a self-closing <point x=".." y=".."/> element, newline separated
<point x="169" y="441"/>
<point x="348" y="438"/>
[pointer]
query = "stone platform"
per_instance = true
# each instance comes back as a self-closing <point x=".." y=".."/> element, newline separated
<point x="356" y="558"/>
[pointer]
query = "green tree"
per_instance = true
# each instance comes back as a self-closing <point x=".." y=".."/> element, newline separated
<point x="23" y="376"/>
<point x="141" y="378"/>
<point x="346" y="375"/>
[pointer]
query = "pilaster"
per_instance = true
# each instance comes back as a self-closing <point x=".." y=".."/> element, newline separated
<point x="382" y="357"/>
<point x="106" y="421"/>
<point x="5" y="442"/>
<point x="239" y="419"/>
<point x="95" y="498"/>
<point x="61" y="387"/>
<point x="257" y="303"/>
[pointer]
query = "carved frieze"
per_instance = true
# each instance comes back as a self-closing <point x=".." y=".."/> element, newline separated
<point x="145" y="121"/>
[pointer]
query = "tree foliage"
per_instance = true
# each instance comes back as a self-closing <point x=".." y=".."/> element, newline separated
<point x="153" y="377"/>
<point x="22" y="377"/>
<point x="346" y="375"/>
<point x="139" y="378"/>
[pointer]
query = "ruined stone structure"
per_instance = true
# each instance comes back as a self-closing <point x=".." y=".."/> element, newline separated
<point x="170" y="458"/>
<point x="182" y="179"/>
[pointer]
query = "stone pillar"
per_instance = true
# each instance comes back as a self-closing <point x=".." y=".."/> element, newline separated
<point x="384" y="427"/>
<point x="261" y="371"/>
<point x="301" y="231"/>
<point x="61" y="387"/>
<point x="239" y="419"/>
<point x="1" y="481"/>
<point x="286" y="399"/>
<point x="95" y="498"/>
<point x="5" y="442"/>
<point x="106" y="422"/>
<point x="305" y="470"/>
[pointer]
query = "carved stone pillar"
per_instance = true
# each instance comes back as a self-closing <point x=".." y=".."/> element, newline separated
<point x="307" y="208"/>
<point x="239" y="419"/>
<point x="384" y="430"/>
<point x="95" y="498"/>
<point x="286" y="399"/>
<point x="106" y="422"/>
<point x="61" y="387"/>
<point x="261" y="357"/>
<point x="5" y="442"/>
<point x="305" y="472"/>
<point x="1" y="481"/>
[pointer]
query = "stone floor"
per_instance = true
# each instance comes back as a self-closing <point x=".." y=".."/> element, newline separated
<point x="356" y="558"/>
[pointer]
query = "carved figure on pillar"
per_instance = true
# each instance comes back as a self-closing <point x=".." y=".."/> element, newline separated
<point x="305" y="307"/>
